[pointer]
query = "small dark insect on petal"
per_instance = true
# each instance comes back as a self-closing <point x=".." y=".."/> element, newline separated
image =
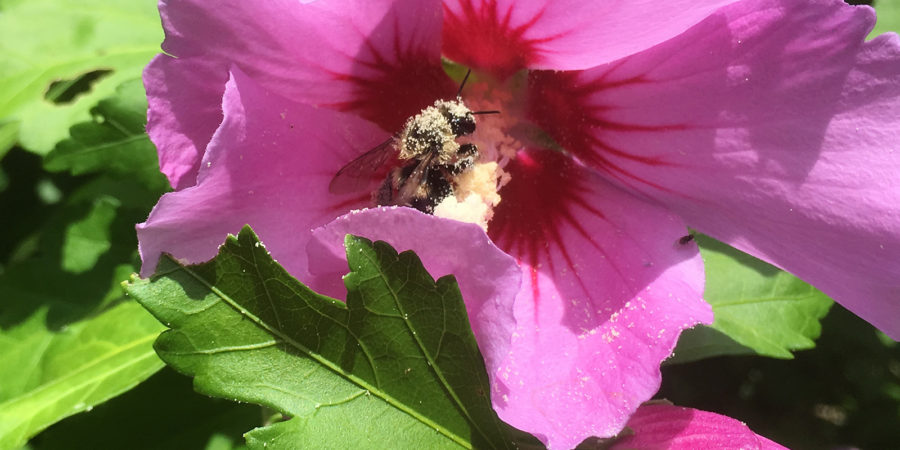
<point x="685" y="239"/>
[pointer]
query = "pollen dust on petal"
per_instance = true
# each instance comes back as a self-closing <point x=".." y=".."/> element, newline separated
<point x="539" y="203"/>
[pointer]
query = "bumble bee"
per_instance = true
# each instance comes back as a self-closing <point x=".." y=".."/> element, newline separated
<point x="433" y="158"/>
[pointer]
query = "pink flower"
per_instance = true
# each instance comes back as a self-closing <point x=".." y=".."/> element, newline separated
<point x="768" y="124"/>
<point x="671" y="427"/>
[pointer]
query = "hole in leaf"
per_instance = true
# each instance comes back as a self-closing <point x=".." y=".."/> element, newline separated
<point x="66" y="91"/>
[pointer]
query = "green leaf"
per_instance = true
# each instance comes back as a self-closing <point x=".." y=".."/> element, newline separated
<point x="89" y="238"/>
<point x="166" y="401"/>
<point x="758" y="308"/>
<point x="4" y="180"/>
<point x="48" y="375"/>
<point x="396" y="367"/>
<point x="705" y="342"/>
<point x="837" y="395"/>
<point x="59" y="57"/>
<point x="888" y="17"/>
<point x="114" y="141"/>
<point x="9" y="134"/>
<point x="67" y="340"/>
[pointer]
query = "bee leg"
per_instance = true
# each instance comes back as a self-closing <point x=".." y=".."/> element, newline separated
<point x="426" y="205"/>
<point x="403" y="174"/>
<point x="385" y="193"/>
<point x="467" y="154"/>
<point x="467" y="150"/>
<point x="439" y="188"/>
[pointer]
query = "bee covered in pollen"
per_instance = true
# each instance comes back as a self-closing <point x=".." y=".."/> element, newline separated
<point x="432" y="157"/>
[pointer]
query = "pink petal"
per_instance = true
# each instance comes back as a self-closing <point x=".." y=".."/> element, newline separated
<point x="488" y="278"/>
<point x="268" y="165"/>
<point x="673" y="427"/>
<point x="504" y="36"/>
<point x="607" y="290"/>
<point x="378" y="58"/>
<point x="185" y="108"/>
<point x="771" y="126"/>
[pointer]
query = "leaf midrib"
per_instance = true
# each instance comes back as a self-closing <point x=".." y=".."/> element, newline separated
<point x="106" y="357"/>
<point x="96" y="148"/>
<point x="23" y="427"/>
<point x="374" y="390"/>
<point x="431" y="362"/>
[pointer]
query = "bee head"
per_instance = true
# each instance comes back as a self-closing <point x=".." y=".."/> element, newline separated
<point x="462" y="124"/>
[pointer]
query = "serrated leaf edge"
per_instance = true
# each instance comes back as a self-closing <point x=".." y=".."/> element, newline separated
<point x="359" y="382"/>
<point x="431" y="362"/>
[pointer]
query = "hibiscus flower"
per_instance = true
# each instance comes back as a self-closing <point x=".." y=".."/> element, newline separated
<point x="768" y="124"/>
<point x="673" y="428"/>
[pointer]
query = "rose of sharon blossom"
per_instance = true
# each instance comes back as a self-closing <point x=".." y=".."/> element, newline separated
<point x="768" y="124"/>
<point x="670" y="427"/>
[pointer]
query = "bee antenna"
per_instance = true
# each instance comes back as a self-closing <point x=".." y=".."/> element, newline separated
<point x="493" y="111"/>
<point x="463" y="84"/>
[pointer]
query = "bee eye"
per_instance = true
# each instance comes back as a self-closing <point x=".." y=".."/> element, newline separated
<point x="463" y="125"/>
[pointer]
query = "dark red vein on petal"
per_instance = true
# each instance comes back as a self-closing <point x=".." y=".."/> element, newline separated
<point x="389" y="88"/>
<point x="537" y="204"/>
<point x="485" y="40"/>
<point x="564" y="105"/>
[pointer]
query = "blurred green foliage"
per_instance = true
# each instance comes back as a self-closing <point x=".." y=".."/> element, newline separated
<point x="164" y="412"/>
<point x="759" y="309"/>
<point x="845" y="393"/>
<point x="58" y="58"/>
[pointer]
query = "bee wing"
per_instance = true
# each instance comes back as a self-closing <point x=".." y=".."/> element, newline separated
<point x="417" y="177"/>
<point x="353" y="176"/>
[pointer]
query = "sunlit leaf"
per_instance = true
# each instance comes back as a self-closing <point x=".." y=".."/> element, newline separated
<point x="758" y="308"/>
<point x="163" y="412"/>
<point x="88" y="239"/>
<point x="113" y="141"/>
<point x="51" y="374"/>
<point x="397" y="366"/>
<point x="51" y="52"/>
<point x="888" y="17"/>
<point x="68" y="338"/>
